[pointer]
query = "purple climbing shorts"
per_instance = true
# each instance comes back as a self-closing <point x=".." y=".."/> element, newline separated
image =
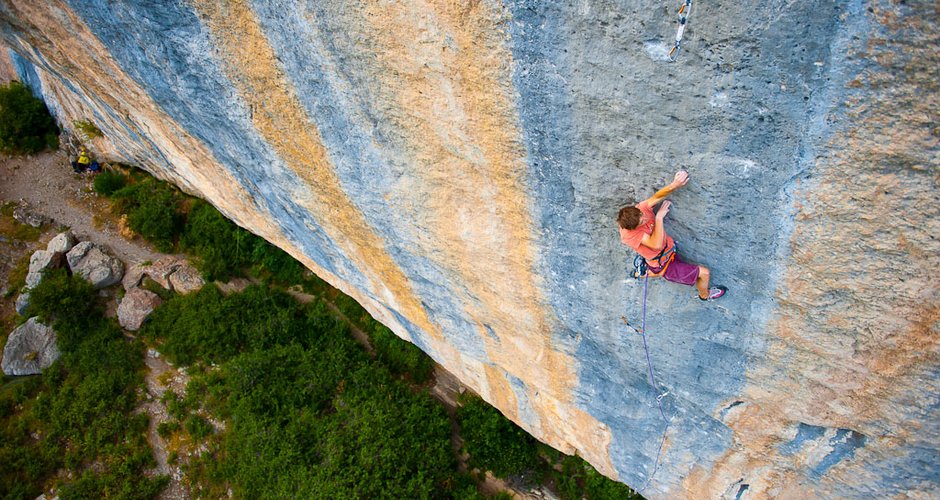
<point x="679" y="272"/>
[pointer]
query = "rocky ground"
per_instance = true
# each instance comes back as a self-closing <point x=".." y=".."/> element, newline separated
<point x="47" y="184"/>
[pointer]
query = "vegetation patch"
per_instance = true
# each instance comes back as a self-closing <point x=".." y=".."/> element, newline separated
<point x="309" y="414"/>
<point x="26" y="126"/>
<point x="88" y="128"/>
<point x="14" y="229"/>
<point x="78" y="415"/>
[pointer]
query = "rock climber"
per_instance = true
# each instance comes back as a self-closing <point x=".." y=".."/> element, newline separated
<point x="82" y="163"/>
<point x="644" y="232"/>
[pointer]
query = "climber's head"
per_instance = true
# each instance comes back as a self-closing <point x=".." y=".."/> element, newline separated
<point x="629" y="217"/>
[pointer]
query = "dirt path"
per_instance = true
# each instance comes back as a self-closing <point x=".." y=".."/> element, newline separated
<point x="161" y="377"/>
<point x="47" y="183"/>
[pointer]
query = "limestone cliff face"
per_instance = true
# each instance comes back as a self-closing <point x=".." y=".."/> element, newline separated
<point x="456" y="166"/>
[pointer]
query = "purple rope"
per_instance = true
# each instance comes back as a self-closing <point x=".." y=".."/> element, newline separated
<point x="659" y="402"/>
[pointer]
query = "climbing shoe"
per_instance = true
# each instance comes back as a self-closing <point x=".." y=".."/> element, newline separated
<point x="715" y="292"/>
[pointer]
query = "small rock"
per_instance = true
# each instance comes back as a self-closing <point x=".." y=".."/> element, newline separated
<point x="95" y="264"/>
<point x="30" y="348"/>
<point x="186" y="279"/>
<point x="25" y="216"/>
<point x="39" y="262"/>
<point x="62" y="243"/>
<point x="22" y="302"/>
<point x="134" y="308"/>
<point x="161" y="270"/>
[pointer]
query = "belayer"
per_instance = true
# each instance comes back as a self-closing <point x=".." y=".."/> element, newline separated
<point x="644" y="232"/>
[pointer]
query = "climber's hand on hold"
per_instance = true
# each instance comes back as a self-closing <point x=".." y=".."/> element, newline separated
<point x="663" y="210"/>
<point x="681" y="179"/>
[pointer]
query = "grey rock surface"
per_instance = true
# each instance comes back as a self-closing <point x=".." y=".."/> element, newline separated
<point x="62" y="243"/>
<point x="186" y="279"/>
<point x="95" y="264"/>
<point x="30" y="348"/>
<point x="40" y="261"/>
<point x="25" y="215"/>
<point x="135" y="306"/>
<point x="22" y="302"/>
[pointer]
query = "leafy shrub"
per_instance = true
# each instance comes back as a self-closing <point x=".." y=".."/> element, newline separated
<point x="494" y="443"/>
<point x="25" y="123"/>
<point x="577" y="480"/>
<point x="151" y="208"/>
<point x="109" y="181"/>
<point x="198" y="427"/>
<point x="223" y="249"/>
<point x="88" y="128"/>
<point x="82" y="407"/>
<point x="400" y="356"/>
<point x="208" y="326"/>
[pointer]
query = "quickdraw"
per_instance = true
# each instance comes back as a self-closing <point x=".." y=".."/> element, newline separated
<point x="683" y="14"/>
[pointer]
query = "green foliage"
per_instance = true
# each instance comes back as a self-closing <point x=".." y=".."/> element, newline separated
<point x="108" y="182"/>
<point x="494" y="443"/>
<point x="88" y="128"/>
<point x="308" y="414"/>
<point x="82" y="407"/>
<point x="151" y="208"/>
<point x="400" y="356"/>
<point x="208" y="326"/>
<point x="25" y="123"/>
<point x="577" y="480"/>
<point x="222" y="249"/>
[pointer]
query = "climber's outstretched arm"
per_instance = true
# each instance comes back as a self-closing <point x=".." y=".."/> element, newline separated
<point x="681" y="179"/>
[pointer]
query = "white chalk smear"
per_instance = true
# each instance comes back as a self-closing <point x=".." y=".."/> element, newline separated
<point x="657" y="50"/>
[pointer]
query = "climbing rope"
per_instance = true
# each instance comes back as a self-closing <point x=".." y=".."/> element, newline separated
<point x="652" y="376"/>
<point x="683" y="15"/>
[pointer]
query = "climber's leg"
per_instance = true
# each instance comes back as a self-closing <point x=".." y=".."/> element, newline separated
<point x="702" y="282"/>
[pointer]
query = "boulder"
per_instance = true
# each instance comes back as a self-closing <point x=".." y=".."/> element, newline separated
<point x="24" y="215"/>
<point x="136" y="305"/>
<point x="62" y="243"/>
<point x="161" y="270"/>
<point x="22" y="302"/>
<point x="171" y="273"/>
<point x="96" y="264"/>
<point x="39" y="262"/>
<point x="30" y="348"/>
<point x="186" y="279"/>
<point x="134" y="276"/>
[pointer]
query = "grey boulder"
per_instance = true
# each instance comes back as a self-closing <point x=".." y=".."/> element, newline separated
<point x="24" y="215"/>
<point x="186" y="279"/>
<point x="96" y="264"/>
<point x="39" y="262"/>
<point x="30" y="348"/>
<point x="134" y="308"/>
<point x="22" y="302"/>
<point x="63" y="242"/>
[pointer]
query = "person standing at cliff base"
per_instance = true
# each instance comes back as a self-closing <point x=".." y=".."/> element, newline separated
<point x="645" y="232"/>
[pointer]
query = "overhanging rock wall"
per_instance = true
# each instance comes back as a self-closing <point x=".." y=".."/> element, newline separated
<point x="457" y="166"/>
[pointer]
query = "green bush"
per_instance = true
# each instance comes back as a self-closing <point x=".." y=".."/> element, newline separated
<point x="400" y="356"/>
<point x="109" y="181"/>
<point x="222" y="249"/>
<point x="25" y="123"/>
<point x="82" y="407"/>
<point x="88" y="128"/>
<point x="152" y="211"/>
<point x="493" y="442"/>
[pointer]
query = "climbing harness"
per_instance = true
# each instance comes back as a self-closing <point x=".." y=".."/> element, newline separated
<point x="649" y="364"/>
<point x="641" y="268"/>
<point x="683" y="15"/>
